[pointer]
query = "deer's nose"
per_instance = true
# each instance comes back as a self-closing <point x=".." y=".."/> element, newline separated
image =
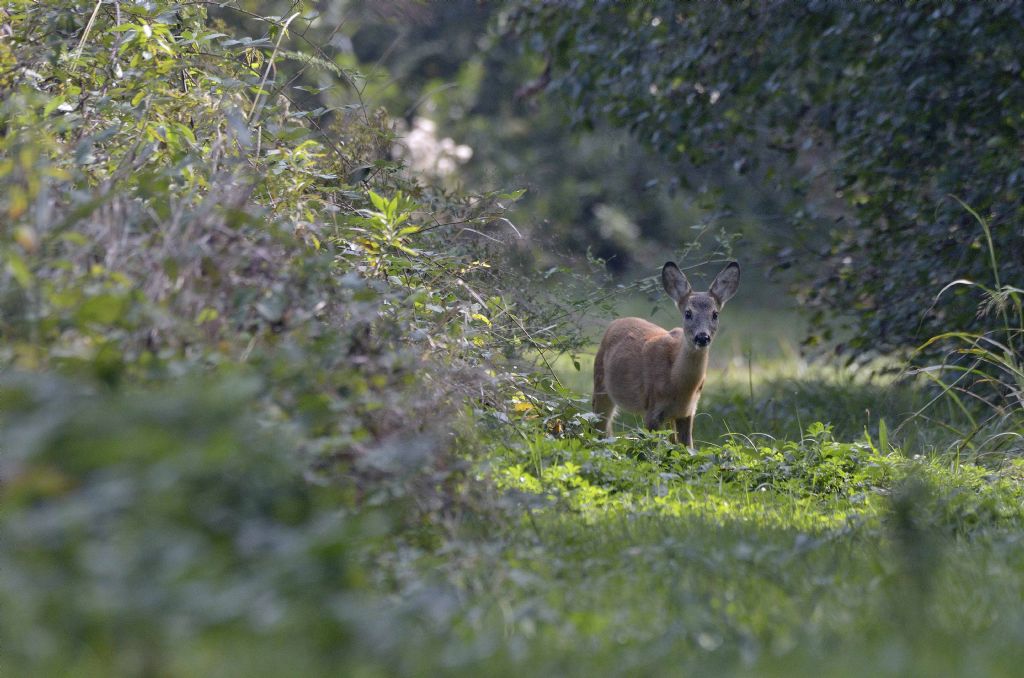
<point x="702" y="339"/>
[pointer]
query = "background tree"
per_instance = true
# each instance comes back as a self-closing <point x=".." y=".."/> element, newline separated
<point x="890" y="107"/>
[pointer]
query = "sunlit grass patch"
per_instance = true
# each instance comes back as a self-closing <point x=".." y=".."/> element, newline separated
<point x="813" y="484"/>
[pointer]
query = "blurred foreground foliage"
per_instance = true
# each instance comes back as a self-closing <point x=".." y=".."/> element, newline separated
<point x="228" y="324"/>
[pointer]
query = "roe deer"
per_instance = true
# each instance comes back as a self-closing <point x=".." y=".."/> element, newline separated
<point x="644" y="369"/>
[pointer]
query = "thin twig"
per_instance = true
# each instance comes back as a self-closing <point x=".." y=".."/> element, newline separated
<point x="260" y="99"/>
<point x="85" y="34"/>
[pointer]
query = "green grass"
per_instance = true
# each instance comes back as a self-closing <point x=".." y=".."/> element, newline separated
<point x="782" y="546"/>
<point x="815" y="557"/>
<point x="810" y="557"/>
<point x="655" y="595"/>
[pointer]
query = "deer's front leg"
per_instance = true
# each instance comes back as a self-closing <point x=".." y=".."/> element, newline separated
<point x="684" y="431"/>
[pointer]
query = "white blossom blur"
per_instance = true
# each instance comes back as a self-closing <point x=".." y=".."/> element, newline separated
<point x="424" y="153"/>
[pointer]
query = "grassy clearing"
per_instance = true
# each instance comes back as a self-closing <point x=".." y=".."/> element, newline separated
<point x="813" y="557"/>
<point x="783" y="546"/>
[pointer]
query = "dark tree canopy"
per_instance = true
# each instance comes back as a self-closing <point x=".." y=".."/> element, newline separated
<point x="899" y="105"/>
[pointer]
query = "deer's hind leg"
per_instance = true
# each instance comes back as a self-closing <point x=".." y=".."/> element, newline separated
<point x="606" y="411"/>
<point x="602" y="403"/>
<point x="654" y="419"/>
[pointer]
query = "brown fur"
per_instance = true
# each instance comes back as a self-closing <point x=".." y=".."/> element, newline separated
<point x="644" y="369"/>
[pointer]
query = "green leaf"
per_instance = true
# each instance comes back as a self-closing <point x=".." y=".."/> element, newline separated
<point x="52" y="105"/>
<point x="19" y="269"/>
<point x="512" y="196"/>
<point x="102" y="309"/>
<point x="206" y="315"/>
<point x="379" y="202"/>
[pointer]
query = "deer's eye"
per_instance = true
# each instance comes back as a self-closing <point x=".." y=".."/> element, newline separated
<point x="714" y="315"/>
<point x="688" y="315"/>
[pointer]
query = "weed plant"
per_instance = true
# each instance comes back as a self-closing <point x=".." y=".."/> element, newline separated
<point x="982" y="373"/>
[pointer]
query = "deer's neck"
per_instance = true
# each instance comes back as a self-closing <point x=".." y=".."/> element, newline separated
<point x="689" y="367"/>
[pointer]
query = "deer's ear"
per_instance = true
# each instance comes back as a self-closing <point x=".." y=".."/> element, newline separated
<point x="674" y="282"/>
<point x="725" y="283"/>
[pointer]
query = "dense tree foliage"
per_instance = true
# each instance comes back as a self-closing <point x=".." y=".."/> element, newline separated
<point x="903" y="104"/>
